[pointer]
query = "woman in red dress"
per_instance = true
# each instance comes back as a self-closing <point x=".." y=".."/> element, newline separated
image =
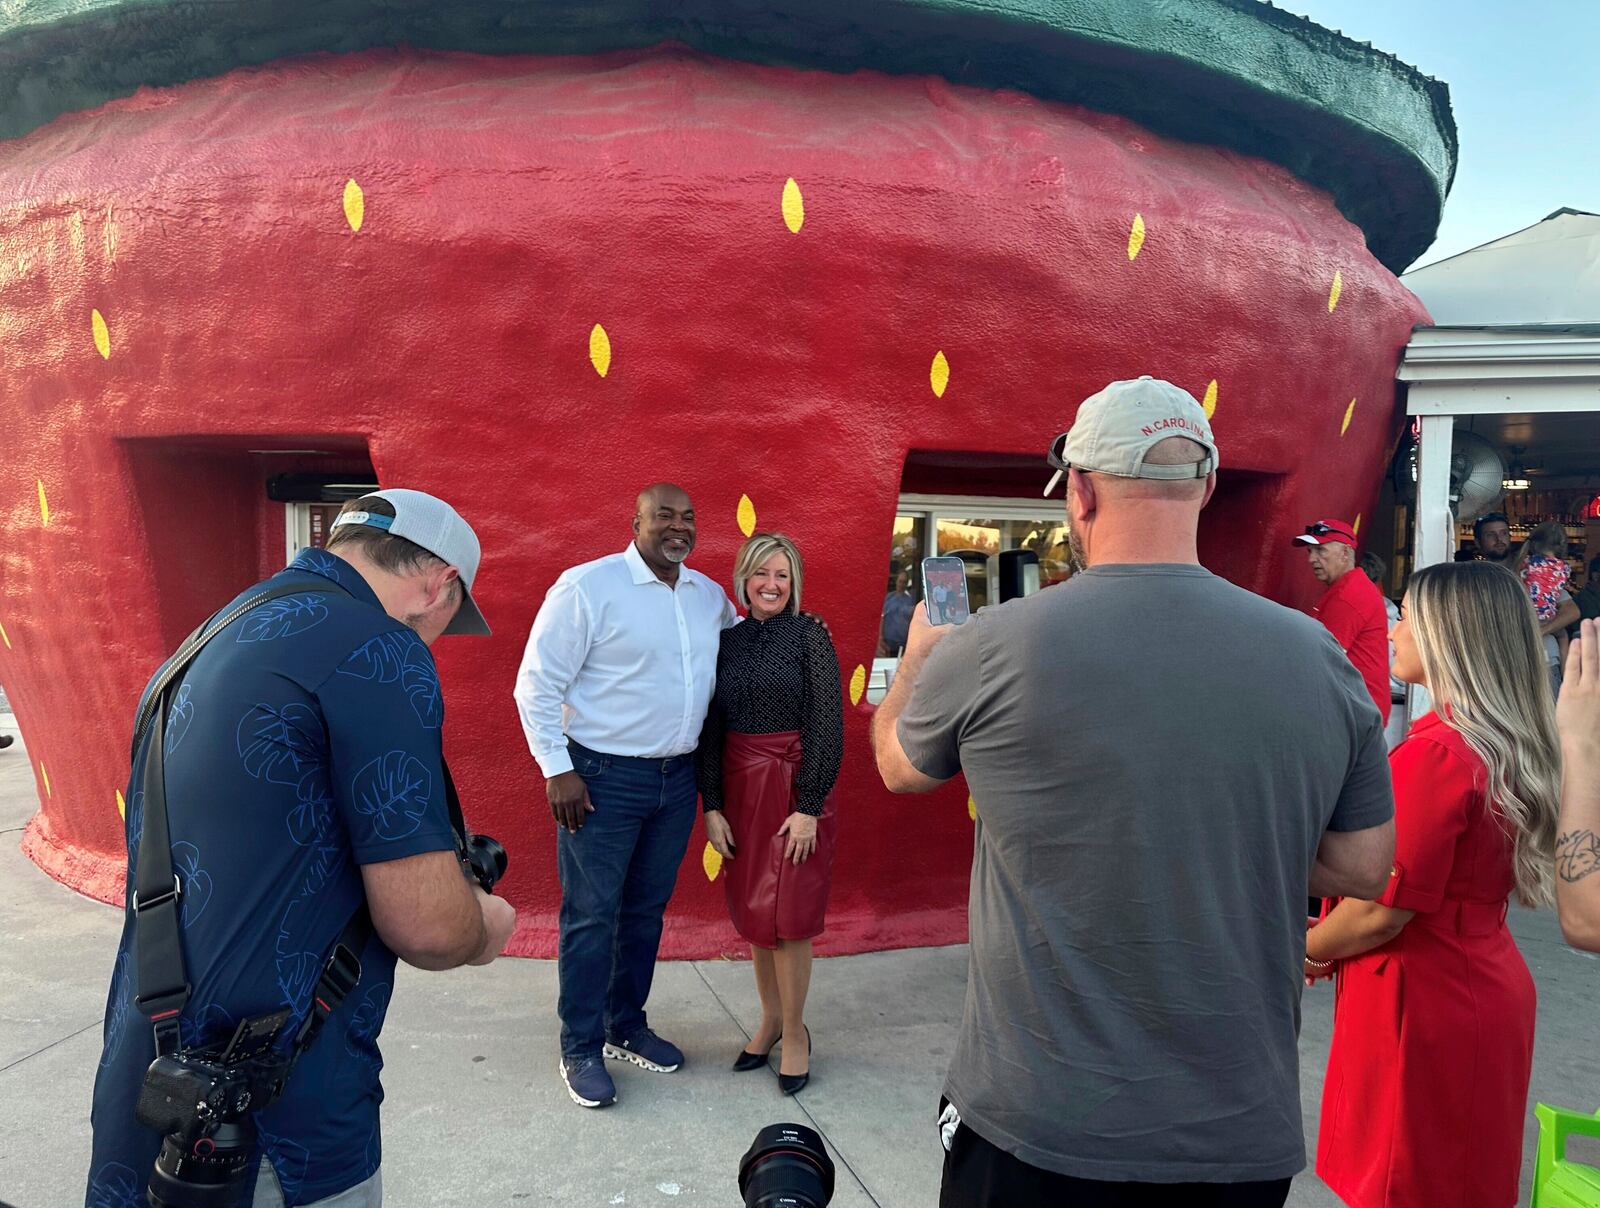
<point x="768" y="759"/>
<point x="1427" y="1087"/>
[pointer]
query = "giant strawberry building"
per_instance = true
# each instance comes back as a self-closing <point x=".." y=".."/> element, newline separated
<point x="824" y="264"/>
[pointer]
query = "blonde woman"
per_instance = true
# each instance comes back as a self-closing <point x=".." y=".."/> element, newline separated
<point x="1427" y="1083"/>
<point x="768" y="759"/>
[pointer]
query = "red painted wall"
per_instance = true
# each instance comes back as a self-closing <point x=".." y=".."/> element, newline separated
<point x="510" y="205"/>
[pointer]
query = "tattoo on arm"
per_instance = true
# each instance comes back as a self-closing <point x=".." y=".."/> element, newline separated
<point x="1577" y="855"/>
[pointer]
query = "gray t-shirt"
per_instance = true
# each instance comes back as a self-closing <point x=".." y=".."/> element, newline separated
<point x="1155" y="755"/>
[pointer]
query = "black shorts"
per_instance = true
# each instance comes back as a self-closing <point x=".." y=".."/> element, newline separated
<point x="978" y="1174"/>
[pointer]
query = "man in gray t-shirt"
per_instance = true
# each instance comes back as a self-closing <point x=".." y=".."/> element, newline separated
<point x="1163" y="765"/>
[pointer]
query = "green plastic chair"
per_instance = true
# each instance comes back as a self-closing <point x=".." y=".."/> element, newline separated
<point x="1558" y="1183"/>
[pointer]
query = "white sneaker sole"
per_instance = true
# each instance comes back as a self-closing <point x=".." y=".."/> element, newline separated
<point x="561" y="1068"/>
<point x="614" y="1053"/>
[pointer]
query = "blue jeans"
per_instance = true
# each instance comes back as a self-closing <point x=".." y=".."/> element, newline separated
<point x="269" y="1193"/>
<point x="617" y="873"/>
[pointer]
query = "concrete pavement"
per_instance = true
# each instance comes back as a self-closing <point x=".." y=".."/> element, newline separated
<point x="476" y="1115"/>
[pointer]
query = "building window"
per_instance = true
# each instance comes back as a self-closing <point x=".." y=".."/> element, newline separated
<point x="974" y="528"/>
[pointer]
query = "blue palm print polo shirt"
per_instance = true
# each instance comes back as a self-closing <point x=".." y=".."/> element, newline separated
<point x="302" y="742"/>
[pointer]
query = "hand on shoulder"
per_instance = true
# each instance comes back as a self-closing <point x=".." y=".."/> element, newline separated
<point x="816" y="623"/>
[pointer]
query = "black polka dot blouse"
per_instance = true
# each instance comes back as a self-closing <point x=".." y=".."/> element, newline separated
<point x="775" y="676"/>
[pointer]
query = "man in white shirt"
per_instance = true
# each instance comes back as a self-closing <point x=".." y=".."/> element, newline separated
<point x="613" y="691"/>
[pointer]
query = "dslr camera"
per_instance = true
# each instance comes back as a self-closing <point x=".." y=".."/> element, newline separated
<point x="201" y="1101"/>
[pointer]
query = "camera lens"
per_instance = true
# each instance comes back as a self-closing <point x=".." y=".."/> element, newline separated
<point x="487" y="859"/>
<point x="217" y="1171"/>
<point x="786" y="1167"/>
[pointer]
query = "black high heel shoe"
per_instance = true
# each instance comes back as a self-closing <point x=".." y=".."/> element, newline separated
<point x="747" y="1061"/>
<point x="789" y="1084"/>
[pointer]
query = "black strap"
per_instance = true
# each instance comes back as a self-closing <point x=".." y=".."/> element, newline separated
<point x="161" y="977"/>
<point x="190" y="646"/>
<point x="340" y="974"/>
<point x="452" y="802"/>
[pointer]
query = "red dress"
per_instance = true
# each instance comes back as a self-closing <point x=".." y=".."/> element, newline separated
<point x="770" y="898"/>
<point x="1427" y="1088"/>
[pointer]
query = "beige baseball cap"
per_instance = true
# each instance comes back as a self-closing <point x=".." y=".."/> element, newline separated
<point x="1116" y="428"/>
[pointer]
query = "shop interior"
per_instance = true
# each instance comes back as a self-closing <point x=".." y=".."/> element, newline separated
<point x="1536" y="469"/>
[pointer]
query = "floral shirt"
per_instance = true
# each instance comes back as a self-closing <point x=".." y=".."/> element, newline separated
<point x="1545" y="578"/>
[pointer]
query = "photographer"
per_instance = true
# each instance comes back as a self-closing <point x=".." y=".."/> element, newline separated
<point x="304" y="778"/>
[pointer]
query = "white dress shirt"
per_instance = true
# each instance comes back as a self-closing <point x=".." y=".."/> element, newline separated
<point x="621" y="662"/>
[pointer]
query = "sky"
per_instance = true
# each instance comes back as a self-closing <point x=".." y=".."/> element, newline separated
<point x="1524" y="80"/>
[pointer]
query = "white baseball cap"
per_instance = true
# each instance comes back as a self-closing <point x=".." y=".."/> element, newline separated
<point x="437" y="527"/>
<point x="1116" y="428"/>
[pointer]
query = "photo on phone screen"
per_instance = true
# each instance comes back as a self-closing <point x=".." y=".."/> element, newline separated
<point x="944" y="590"/>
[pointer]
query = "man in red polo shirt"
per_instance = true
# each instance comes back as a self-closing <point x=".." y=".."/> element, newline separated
<point x="1352" y="607"/>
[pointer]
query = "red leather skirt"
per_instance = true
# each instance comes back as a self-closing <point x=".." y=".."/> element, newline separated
<point x="769" y="898"/>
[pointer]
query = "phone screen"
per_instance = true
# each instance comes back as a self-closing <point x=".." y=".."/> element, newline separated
<point x="944" y="590"/>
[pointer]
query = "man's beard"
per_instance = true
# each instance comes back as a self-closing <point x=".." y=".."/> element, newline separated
<point x="674" y="556"/>
<point x="1077" y="559"/>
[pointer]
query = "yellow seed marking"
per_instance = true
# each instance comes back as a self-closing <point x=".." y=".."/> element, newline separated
<point x="44" y="504"/>
<point x="1356" y="528"/>
<point x="600" y="350"/>
<point x="746" y="515"/>
<point x="5" y="637"/>
<point x="858" y="684"/>
<point x="355" y="205"/>
<point x="1338" y="288"/>
<point x="1348" y="412"/>
<point x="711" y="861"/>
<point x="1209" y="403"/>
<point x="45" y="776"/>
<point x="102" y="334"/>
<point x="794" y="206"/>
<point x="1136" y="236"/>
<point x="972" y="808"/>
<point x="122" y="806"/>
<point x="939" y="374"/>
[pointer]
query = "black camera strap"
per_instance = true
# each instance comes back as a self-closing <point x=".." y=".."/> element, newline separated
<point x="458" y="821"/>
<point x="161" y="977"/>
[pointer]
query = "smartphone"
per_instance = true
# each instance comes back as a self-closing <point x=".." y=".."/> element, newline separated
<point x="944" y="590"/>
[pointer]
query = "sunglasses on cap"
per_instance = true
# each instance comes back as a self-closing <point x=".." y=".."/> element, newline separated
<point x="1322" y="530"/>
<point x="1057" y="459"/>
<point x="1057" y="456"/>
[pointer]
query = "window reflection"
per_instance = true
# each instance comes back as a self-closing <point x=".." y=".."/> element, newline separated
<point x="977" y="540"/>
<point x="1048" y="539"/>
<point x="900" y="596"/>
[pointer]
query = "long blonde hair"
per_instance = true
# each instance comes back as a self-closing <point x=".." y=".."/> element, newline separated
<point x="756" y="550"/>
<point x="1478" y="638"/>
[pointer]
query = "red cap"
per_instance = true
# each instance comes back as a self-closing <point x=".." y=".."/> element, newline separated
<point x="1328" y="532"/>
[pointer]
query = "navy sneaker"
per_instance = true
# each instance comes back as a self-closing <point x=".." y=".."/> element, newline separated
<point x="587" y="1082"/>
<point x="647" y="1049"/>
